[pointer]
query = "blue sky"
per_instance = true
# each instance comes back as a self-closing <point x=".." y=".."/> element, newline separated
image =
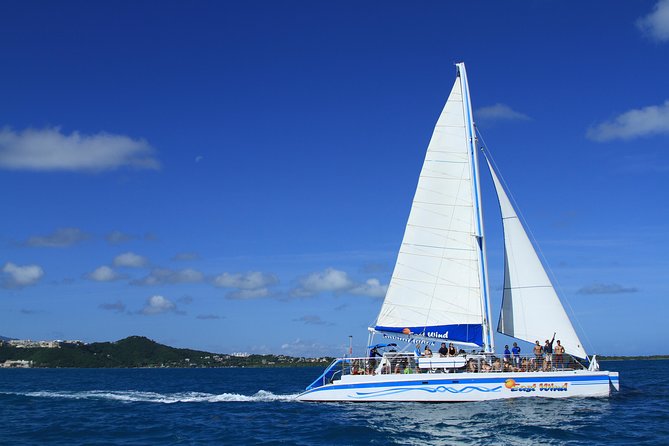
<point x="237" y="176"/>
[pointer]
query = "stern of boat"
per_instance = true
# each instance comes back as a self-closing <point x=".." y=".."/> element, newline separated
<point x="614" y="380"/>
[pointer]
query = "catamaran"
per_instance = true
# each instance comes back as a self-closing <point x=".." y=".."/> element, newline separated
<point x="439" y="292"/>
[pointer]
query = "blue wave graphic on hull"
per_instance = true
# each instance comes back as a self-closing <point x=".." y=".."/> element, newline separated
<point x="438" y="389"/>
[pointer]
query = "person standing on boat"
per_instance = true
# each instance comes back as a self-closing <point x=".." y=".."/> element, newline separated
<point x="548" y="353"/>
<point x="516" y="354"/>
<point x="507" y="354"/>
<point x="559" y="351"/>
<point x="538" y="352"/>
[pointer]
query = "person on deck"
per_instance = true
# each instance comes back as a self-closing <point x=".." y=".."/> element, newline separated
<point x="559" y="351"/>
<point x="451" y="350"/>
<point x="443" y="351"/>
<point x="507" y="354"/>
<point x="516" y="354"/>
<point x="548" y="353"/>
<point x="538" y="352"/>
<point x="428" y="352"/>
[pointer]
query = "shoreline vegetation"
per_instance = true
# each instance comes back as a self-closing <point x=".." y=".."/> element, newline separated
<point x="141" y="352"/>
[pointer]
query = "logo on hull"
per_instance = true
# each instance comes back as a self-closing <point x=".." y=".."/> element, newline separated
<point x="513" y="386"/>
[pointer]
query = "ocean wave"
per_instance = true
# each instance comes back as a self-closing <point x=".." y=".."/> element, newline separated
<point x="133" y="396"/>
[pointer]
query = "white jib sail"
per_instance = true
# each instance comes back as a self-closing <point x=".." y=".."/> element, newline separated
<point x="435" y="288"/>
<point x="531" y="309"/>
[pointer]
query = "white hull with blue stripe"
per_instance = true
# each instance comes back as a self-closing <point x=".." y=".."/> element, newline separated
<point x="460" y="387"/>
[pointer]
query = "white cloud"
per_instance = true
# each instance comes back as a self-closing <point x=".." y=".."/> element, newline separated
<point x="500" y="112"/>
<point x="656" y="24"/>
<point x="60" y="238"/>
<point x="249" y="281"/>
<point x="160" y="276"/>
<point x="371" y="288"/>
<point x="130" y="260"/>
<point x="651" y="120"/>
<point x="51" y="150"/>
<point x="103" y="274"/>
<point x="158" y="305"/>
<point x="19" y="276"/>
<point x="328" y="280"/>
<point x="251" y="285"/>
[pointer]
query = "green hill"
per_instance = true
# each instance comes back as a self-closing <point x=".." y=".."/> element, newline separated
<point x="138" y="351"/>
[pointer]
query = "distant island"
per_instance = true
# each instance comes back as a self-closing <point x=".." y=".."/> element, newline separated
<point x="139" y="351"/>
<point x="133" y="352"/>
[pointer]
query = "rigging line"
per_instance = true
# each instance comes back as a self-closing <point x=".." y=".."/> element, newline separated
<point x="533" y="239"/>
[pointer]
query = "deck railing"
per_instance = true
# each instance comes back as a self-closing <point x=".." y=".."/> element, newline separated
<point x="407" y="363"/>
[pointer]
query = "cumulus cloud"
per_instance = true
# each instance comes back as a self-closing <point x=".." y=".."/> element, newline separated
<point x="103" y="274"/>
<point x="251" y="285"/>
<point x="158" y="305"/>
<point x="500" y="112"/>
<point x="161" y="276"/>
<point x="336" y="281"/>
<point x="60" y="238"/>
<point x="371" y="288"/>
<point x="130" y="260"/>
<point x="656" y="24"/>
<point x="635" y="123"/>
<point x="117" y="306"/>
<point x="248" y="281"/>
<point x="601" y="288"/>
<point x="50" y="149"/>
<point x="15" y="276"/>
<point x="329" y="280"/>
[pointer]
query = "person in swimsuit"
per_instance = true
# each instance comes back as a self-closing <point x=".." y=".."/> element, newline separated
<point x="559" y="351"/>
<point x="451" y="350"/>
<point x="538" y="354"/>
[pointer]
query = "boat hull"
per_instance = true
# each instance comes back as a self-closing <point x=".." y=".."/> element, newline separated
<point x="460" y="387"/>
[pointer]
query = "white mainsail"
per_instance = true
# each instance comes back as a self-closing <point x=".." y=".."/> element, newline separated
<point x="435" y="289"/>
<point x="531" y="309"/>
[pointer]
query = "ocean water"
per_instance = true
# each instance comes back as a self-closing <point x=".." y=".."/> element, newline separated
<point x="257" y="406"/>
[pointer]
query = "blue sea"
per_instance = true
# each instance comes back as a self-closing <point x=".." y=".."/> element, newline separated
<point x="257" y="406"/>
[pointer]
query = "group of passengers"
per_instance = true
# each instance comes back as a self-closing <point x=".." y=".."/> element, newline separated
<point x="545" y="358"/>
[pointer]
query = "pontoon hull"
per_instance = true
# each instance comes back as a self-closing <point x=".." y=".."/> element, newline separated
<point x="451" y="387"/>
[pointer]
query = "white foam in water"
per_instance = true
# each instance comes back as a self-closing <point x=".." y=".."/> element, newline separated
<point x="131" y="396"/>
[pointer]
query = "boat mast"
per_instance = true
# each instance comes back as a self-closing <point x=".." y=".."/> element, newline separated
<point x="488" y="338"/>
